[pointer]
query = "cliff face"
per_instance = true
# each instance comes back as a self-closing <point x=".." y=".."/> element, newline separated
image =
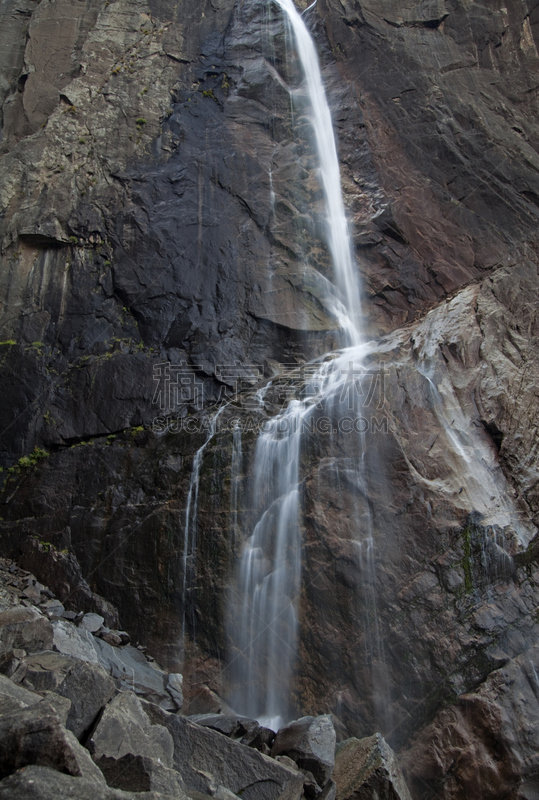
<point x="159" y="205"/>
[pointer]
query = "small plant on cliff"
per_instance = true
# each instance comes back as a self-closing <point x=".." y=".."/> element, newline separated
<point x="140" y="122"/>
<point x="29" y="461"/>
<point x="209" y="93"/>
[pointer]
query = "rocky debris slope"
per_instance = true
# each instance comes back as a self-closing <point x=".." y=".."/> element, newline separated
<point x="72" y="725"/>
<point x="51" y="649"/>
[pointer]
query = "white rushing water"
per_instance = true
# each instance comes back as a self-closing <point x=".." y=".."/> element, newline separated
<point x="263" y="618"/>
<point x="338" y="234"/>
<point x="190" y="528"/>
<point x="236" y="467"/>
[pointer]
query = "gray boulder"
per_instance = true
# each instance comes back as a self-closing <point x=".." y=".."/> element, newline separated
<point x="36" y="736"/>
<point x="53" y="608"/>
<point x="140" y="773"/>
<point x="206" y="759"/>
<point x="367" y="769"/>
<point x="62" y="705"/>
<point x="245" y="730"/>
<point x="42" y="783"/>
<point x="310" y="742"/>
<point x="131" y="671"/>
<point x="14" y="697"/>
<point x="23" y="628"/>
<point x="87" y="685"/>
<point x="125" y="728"/>
<point x="72" y="641"/>
<point x="92" y="622"/>
<point x="175" y="688"/>
<point x="329" y="791"/>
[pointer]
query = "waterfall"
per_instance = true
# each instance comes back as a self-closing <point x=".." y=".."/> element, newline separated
<point x="263" y="618"/>
<point x="190" y="528"/>
<point x="263" y="607"/>
<point x="235" y="480"/>
<point x="265" y="603"/>
<point x="338" y="236"/>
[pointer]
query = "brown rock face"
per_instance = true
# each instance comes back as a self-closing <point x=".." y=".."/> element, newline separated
<point x="367" y="768"/>
<point x="160" y="205"/>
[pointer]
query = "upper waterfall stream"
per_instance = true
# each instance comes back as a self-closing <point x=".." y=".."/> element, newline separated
<point x="338" y="236"/>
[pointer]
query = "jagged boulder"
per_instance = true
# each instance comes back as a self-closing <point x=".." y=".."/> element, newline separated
<point x="86" y="685"/>
<point x="92" y="622"/>
<point x="247" y="731"/>
<point x="310" y="742"/>
<point x="125" y="728"/>
<point x="36" y="736"/>
<point x="141" y="773"/>
<point x="175" y="688"/>
<point x="367" y="769"/>
<point x="73" y="641"/>
<point x="42" y="783"/>
<point x="132" y="671"/>
<point x="207" y="760"/>
<point x="23" y="628"/>
<point x="14" y="698"/>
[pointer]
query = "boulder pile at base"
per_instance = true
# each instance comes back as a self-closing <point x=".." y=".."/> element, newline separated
<point x="85" y="714"/>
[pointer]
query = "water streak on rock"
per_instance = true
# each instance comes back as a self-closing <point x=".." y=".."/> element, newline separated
<point x="190" y="527"/>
